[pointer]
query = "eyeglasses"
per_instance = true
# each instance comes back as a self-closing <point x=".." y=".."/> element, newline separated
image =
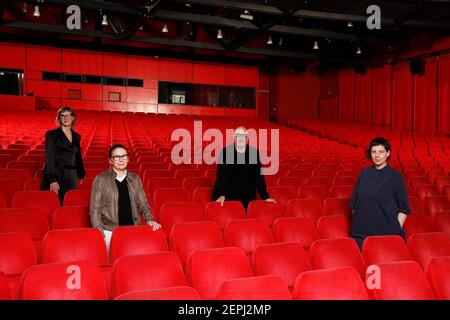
<point x="65" y="116"/>
<point x="122" y="157"/>
<point x="241" y="135"/>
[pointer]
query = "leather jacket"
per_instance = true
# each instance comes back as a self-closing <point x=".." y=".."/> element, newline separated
<point x="104" y="205"/>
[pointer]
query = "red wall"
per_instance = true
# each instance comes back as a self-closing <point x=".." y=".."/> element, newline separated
<point x="390" y="96"/>
<point x="49" y="94"/>
<point x="295" y="95"/>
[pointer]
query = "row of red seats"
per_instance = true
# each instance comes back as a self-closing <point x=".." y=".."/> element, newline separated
<point x="141" y="261"/>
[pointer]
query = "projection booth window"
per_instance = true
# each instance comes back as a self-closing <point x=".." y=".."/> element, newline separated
<point x="206" y="95"/>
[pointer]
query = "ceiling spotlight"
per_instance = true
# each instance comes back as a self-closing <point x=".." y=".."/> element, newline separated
<point x="219" y="34"/>
<point x="358" y="51"/>
<point x="280" y="43"/>
<point x="188" y="5"/>
<point x="350" y="24"/>
<point x="269" y="41"/>
<point x="25" y="7"/>
<point x="316" y="46"/>
<point x="104" y="20"/>
<point x="141" y="28"/>
<point x="165" y="29"/>
<point x="36" y="12"/>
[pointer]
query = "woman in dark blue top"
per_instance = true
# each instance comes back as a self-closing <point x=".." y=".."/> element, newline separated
<point x="379" y="201"/>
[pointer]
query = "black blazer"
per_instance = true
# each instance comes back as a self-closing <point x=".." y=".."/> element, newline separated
<point x="60" y="154"/>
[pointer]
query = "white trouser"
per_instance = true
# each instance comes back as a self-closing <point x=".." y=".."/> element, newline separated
<point x="108" y="235"/>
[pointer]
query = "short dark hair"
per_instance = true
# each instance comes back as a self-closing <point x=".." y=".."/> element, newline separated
<point x="379" y="141"/>
<point x="114" y="147"/>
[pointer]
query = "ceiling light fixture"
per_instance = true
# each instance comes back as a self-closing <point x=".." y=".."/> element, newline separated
<point x="25" y="7"/>
<point x="165" y="29"/>
<point x="105" y="20"/>
<point x="350" y="24"/>
<point x="358" y="51"/>
<point x="219" y="34"/>
<point x="316" y="46"/>
<point x="246" y="15"/>
<point x="36" y="12"/>
<point x="269" y="41"/>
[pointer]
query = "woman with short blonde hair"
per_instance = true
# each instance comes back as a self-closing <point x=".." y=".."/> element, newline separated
<point x="63" y="160"/>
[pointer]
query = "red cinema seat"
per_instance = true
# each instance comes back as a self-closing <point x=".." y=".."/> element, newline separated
<point x="418" y="223"/>
<point x="54" y="282"/>
<point x="305" y="208"/>
<point x="136" y="240"/>
<point x="20" y="175"/>
<point x="71" y="218"/>
<point x="437" y="275"/>
<point x="187" y="237"/>
<point x="426" y="246"/>
<point x="3" y="203"/>
<point x="334" y="227"/>
<point x="29" y="220"/>
<point x="320" y="181"/>
<point x="17" y="252"/>
<point x="8" y="188"/>
<point x="202" y="195"/>
<point x="47" y="201"/>
<point x="436" y="204"/>
<point x="193" y="183"/>
<point x="77" y="198"/>
<point x="344" y="181"/>
<point x="299" y="173"/>
<point x="293" y="182"/>
<point x="155" y="173"/>
<point x="402" y="280"/>
<point x="207" y="269"/>
<point x="247" y="234"/>
<point x="442" y="182"/>
<point x="162" y="182"/>
<point x="5" y="158"/>
<point x="172" y="293"/>
<point x="31" y="166"/>
<point x="281" y="194"/>
<point x="333" y="206"/>
<point x="162" y="196"/>
<point x="299" y="230"/>
<point x="427" y="190"/>
<point x="378" y="249"/>
<point x="231" y="210"/>
<point x="442" y="221"/>
<point x="32" y="185"/>
<point x="146" y="272"/>
<point x="74" y="244"/>
<point x="341" y="192"/>
<point x="86" y="184"/>
<point x="265" y="210"/>
<point x="211" y="174"/>
<point x="330" y="284"/>
<point x="255" y="288"/>
<point x="286" y="260"/>
<point x="5" y="292"/>
<point x="337" y="253"/>
<point x="415" y="205"/>
<point x="181" y="174"/>
<point x="179" y="212"/>
<point x="313" y="192"/>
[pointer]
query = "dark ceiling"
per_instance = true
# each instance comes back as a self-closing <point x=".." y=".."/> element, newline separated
<point x="135" y="26"/>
